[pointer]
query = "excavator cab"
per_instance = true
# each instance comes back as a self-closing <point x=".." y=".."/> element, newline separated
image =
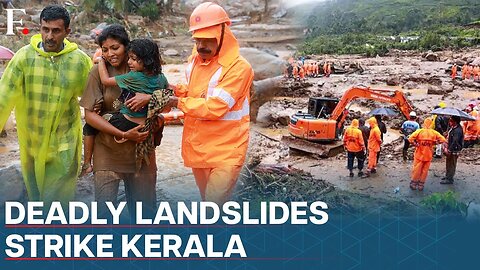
<point x="315" y="125"/>
<point x="321" y="107"/>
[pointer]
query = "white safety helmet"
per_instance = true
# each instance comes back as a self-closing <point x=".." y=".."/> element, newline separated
<point x="413" y="114"/>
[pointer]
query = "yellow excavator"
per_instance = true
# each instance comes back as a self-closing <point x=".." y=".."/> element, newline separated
<point x="319" y="131"/>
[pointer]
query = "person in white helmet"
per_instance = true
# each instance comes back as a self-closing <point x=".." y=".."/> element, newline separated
<point x="408" y="127"/>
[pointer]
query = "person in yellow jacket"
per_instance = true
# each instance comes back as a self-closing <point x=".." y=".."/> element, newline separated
<point x="43" y="82"/>
<point x="424" y="140"/>
<point x="354" y="144"/>
<point x="216" y="104"/>
<point x="374" y="143"/>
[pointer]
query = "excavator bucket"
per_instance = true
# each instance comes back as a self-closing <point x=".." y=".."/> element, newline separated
<point x="323" y="150"/>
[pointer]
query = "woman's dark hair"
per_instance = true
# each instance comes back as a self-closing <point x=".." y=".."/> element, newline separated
<point x="114" y="31"/>
<point x="53" y="13"/>
<point x="147" y="51"/>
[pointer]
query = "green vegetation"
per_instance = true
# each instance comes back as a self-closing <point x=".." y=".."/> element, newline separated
<point x="146" y="8"/>
<point x="446" y="202"/>
<point x="373" y="27"/>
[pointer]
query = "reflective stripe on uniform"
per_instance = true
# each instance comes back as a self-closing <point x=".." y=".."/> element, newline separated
<point x="238" y="115"/>
<point x="188" y="71"/>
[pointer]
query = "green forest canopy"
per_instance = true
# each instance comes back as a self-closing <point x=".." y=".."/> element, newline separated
<point x="354" y="23"/>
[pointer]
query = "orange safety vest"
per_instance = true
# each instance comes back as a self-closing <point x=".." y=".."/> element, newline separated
<point x="375" y="138"/>
<point x="353" y="138"/>
<point x="216" y="106"/>
<point x="470" y="128"/>
<point x="425" y="138"/>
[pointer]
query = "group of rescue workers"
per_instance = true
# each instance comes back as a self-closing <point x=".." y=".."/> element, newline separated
<point x="468" y="72"/>
<point x="301" y="70"/>
<point x="448" y="134"/>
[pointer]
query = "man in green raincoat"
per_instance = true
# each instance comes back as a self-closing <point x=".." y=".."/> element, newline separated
<point x="42" y="82"/>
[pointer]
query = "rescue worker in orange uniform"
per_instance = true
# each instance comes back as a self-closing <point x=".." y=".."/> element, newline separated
<point x="470" y="72"/>
<point x="329" y="69"/>
<point x="470" y="130"/>
<point x="476" y="73"/>
<point x="374" y="142"/>
<point x="295" y="71"/>
<point x="454" y="71"/>
<point x="301" y="73"/>
<point x="464" y="71"/>
<point x="216" y="104"/>
<point x="354" y="144"/>
<point x="424" y="139"/>
<point x="325" y="68"/>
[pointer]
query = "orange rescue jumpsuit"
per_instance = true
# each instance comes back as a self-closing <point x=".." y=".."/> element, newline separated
<point x="374" y="142"/>
<point x="216" y="103"/>
<point x="295" y="71"/>
<point x="301" y="73"/>
<point x="424" y="140"/>
<point x="454" y="72"/>
<point x="464" y="71"/>
<point x="470" y="128"/>
<point x="470" y="72"/>
<point x="476" y="73"/>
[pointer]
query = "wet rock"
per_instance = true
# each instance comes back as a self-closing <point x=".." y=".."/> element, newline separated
<point x="264" y="64"/>
<point x="393" y="81"/>
<point x="291" y="47"/>
<point x="269" y="51"/>
<point x="12" y="187"/>
<point x="440" y="90"/>
<point x="431" y="56"/>
<point x="171" y="52"/>
<point x="476" y="62"/>
<point x="410" y="85"/>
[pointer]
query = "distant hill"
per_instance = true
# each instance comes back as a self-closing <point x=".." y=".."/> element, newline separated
<point x="335" y="18"/>
<point x="390" y="16"/>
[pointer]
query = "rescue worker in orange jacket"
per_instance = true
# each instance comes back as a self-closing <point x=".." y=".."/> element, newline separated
<point x="476" y="73"/>
<point x="216" y="104"/>
<point x="470" y="72"/>
<point x="424" y="140"/>
<point x="464" y="71"/>
<point x="374" y="142"/>
<point x="454" y="71"/>
<point x="295" y="71"/>
<point x="470" y="130"/>
<point x="301" y="73"/>
<point x="354" y="144"/>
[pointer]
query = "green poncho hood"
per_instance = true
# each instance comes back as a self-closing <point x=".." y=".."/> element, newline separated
<point x="37" y="39"/>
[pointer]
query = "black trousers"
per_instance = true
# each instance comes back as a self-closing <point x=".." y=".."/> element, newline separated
<point x="451" y="166"/>
<point x="351" y="158"/>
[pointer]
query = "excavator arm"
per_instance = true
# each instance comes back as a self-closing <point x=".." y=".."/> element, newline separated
<point x="388" y="96"/>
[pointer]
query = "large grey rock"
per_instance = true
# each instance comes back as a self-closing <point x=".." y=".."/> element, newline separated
<point x="171" y="52"/>
<point x="12" y="187"/>
<point x="476" y="62"/>
<point x="431" y="56"/>
<point x="265" y="65"/>
<point x="440" y="90"/>
<point x="410" y="85"/>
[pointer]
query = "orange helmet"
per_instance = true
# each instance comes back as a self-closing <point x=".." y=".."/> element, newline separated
<point x="208" y="14"/>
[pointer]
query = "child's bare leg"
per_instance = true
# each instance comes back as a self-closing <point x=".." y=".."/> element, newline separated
<point x="158" y="133"/>
<point x="88" y="142"/>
